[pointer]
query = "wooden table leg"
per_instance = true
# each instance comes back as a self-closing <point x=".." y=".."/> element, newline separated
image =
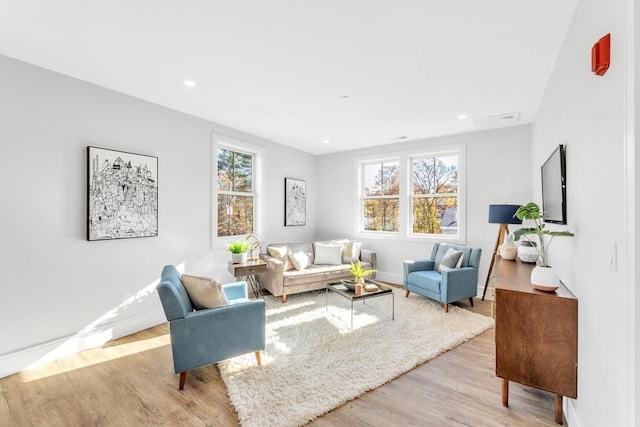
<point x="505" y="392"/>
<point x="558" y="407"/>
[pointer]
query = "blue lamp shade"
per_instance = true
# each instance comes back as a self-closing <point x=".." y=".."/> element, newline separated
<point x="503" y="214"/>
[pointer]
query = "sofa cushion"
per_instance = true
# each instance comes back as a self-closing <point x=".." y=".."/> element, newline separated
<point x="300" y="260"/>
<point x="351" y="252"/>
<point x="328" y="254"/>
<point x="451" y="259"/>
<point x="204" y="292"/>
<point x="428" y="279"/>
<point x="281" y="253"/>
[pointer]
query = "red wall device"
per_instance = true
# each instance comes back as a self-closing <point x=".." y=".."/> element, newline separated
<point x="600" y="55"/>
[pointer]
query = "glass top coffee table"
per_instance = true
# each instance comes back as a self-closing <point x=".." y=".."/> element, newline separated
<point x="342" y="290"/>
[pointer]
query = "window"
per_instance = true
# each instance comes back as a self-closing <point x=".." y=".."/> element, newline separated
<point x="434" y="194"/>
<point x="236" y="191"/>
<point x="414" y="195"/>
<point x="381" y="201"/>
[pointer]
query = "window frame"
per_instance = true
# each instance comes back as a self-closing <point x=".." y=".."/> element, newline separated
<point x="244" y="147"/>
<point x="405" y="228"/>
<point x="362" y="197"/>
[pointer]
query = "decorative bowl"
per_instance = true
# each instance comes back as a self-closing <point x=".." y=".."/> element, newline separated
<point x="349" y="284"/>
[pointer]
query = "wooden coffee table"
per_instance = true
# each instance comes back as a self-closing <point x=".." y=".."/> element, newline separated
<point x="350" y="295"/>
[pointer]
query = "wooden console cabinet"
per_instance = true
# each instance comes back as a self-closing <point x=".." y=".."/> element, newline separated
<point x="536" y="334"/>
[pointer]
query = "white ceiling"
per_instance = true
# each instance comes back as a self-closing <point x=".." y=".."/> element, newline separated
<point x="279" y="69"/>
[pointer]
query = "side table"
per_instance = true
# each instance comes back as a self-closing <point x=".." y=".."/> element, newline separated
<point x="248" y="271"/>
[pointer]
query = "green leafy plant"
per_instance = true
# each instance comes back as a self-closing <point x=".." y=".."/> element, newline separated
<point x="359" y="272"/>
<point x="532" y="212"/>
<point x="239" y="247"/>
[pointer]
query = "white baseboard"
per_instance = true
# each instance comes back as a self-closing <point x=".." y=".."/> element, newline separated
<point x="29" y="357"/>
<point x="570" y="413"/>
<point x="389" y="277"/>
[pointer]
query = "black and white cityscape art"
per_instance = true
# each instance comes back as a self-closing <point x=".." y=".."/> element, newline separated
<point x="123" y="195"/>
<point x="295" y="202"/>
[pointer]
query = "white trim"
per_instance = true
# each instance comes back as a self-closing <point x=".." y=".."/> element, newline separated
<point x="219" y="140"/>
<point x="631" y="36"/>
<point x="38" y="354"/>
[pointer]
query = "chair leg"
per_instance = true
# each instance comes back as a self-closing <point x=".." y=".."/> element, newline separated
<point x="258" y="358"/>
<point x="471" y="301"/>
<point x="284" y="298"/>
<point x="406" y="294"/>
<point x="446" y="307"/>
<point x="183" y="379"/>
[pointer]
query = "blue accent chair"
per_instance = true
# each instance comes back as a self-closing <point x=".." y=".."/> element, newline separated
<point x="202" y="337"/>
<point x="423" y="278"/>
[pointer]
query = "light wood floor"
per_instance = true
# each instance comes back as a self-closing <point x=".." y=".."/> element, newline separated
<point x="129" y="382"/>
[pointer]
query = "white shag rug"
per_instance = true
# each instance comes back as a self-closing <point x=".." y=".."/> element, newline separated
<point x="314" y="363"/>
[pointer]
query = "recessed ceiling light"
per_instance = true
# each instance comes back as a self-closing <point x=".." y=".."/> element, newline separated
<point x="190" y="83"/>
<point x="326" y="141"/>
<point x="345" y="96"/>
<point x="462" y="116"/>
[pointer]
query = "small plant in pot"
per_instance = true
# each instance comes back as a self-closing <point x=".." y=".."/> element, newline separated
<point x="239" y="250"/>
<point x="542" y="276"/>
<point x="360" y="273"/>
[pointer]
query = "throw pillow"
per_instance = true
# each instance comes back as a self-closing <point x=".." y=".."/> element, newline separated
<point x="282" y="253"/>
<point x="328" y="254"/>
<point x="451" y="259"/>
<point x="351" y="252"/>
<point x="204" y="292"/>
<point x="300" y="260"/>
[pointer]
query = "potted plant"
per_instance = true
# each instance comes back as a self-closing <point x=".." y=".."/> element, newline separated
<point x="542" y="275"/>
<point x="239" y="250"/>
<point x="360" y="273"/>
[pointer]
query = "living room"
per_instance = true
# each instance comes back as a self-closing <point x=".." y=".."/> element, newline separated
<point x="61" y="294"/>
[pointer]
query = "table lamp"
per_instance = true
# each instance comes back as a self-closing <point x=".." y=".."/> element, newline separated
<point x="503" y="215"/>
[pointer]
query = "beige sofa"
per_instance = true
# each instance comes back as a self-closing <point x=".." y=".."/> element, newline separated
<point x="281" y="282"/>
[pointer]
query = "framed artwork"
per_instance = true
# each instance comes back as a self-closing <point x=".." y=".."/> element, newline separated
<point x="295" y="202"/>
<point x="122" y="195"/>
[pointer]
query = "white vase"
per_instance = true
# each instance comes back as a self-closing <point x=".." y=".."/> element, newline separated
<point x="544" y="279"/>
<point x="239" y="258"/>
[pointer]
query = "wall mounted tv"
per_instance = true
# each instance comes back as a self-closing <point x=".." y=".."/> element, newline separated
<point x="554" y="187"/>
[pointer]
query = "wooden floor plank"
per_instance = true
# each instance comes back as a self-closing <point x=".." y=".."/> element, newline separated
<point x="130" y="381"/>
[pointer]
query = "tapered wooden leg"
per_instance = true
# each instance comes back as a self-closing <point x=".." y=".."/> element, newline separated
<point x="258" y="358"/>
<point x="446" y="308"/>
<point x="406" y="294"/>
<point x="471" y="301"/>
<point x="183" y="379"/>
<point x="505" y="392"/>
<point x="558" y="407"/>
<point x="284" y="298"/>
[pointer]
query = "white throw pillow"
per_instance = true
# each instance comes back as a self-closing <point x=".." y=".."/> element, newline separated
<point x="281" y="253"/>
<point x="351" y="252"/>
<point x="204" y="292"/>
<point x="451" y="259"/>
<point x="300" y="260"/>
<point x="328" y="254"/>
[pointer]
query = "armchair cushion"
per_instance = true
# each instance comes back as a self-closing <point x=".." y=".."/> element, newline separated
<point x="204" y="292"/>
<point x="451" y="259"/>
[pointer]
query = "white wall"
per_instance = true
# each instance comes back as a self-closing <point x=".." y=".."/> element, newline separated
<point x="587" y="113"/>
<point x="497" y="161"/>
<point x="60" y="293"/>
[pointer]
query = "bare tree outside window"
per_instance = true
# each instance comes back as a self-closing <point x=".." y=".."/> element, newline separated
<point x="235" y="195"/>
<point x="381" y="201"/>
<point x="434" y="199"/>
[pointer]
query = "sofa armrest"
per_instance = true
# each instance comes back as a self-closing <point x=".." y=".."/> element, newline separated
<point x="273" y="279"/>
<point x="370" y="257"/>
<point x="457" y="283"/>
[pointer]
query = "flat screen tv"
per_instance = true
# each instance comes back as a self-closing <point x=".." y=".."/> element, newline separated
<point x="554" y="187"/>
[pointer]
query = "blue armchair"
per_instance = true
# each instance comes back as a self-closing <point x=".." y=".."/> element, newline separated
<point x="422" y="277"/>
<point x="202" y="337"/>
